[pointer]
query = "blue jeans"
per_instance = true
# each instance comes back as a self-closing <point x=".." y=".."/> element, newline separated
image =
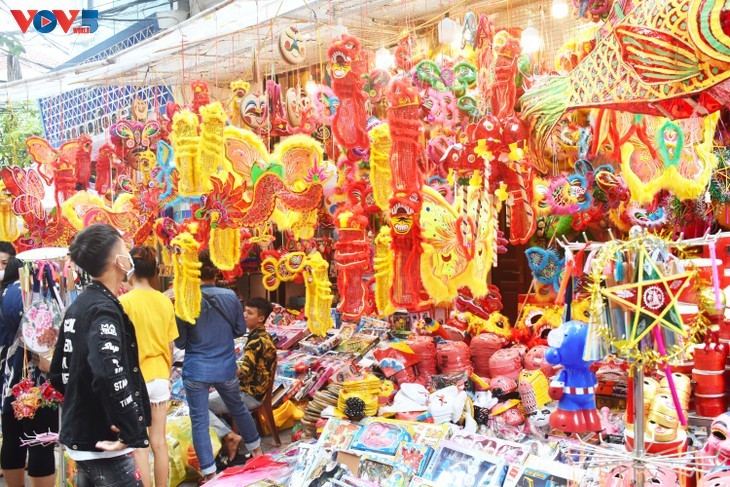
<point x="197" y="396"/>
<point x="109" y="472"/>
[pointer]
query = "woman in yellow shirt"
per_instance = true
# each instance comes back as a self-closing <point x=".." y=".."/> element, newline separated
<point x="153" y="317"/>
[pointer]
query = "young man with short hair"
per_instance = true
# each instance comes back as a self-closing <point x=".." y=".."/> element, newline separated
<point x="254" y="373"/>
<point x="106" y="410"/>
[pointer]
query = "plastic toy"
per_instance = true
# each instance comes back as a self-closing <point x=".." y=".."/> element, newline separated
<point x="573" y="385"/>
<point x="718" y="444"/>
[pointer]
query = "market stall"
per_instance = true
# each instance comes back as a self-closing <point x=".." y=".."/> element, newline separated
<point x="498" y="250"/>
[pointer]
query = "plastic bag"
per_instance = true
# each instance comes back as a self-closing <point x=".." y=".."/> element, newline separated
<point x="180" y="443"/>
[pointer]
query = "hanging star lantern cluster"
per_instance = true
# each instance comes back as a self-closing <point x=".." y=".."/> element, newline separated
<point x="652" y="299"/>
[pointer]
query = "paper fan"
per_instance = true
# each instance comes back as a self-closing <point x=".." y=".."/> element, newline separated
<point x="40" y="325"/>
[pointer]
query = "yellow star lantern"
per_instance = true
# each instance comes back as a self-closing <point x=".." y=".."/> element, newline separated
<point x="652" y="299"/>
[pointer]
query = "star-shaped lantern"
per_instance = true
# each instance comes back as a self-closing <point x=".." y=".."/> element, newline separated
<point x="652" y="300"/>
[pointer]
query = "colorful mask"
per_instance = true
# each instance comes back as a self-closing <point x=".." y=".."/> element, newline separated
<point x="291" y="45"/>
<point x="296" y="103"/>
<point x="139" y="110"/>
<point x="546" y="265"/>
<point x="718" y="443"/>
<point x="375" y="84"/>
<point x="568" y="195"/>
<point x="255" y="112"/>
<point x="131" y="138"/>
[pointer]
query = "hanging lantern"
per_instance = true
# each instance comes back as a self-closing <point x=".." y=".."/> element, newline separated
<point x="530" y="40"/>
<point x="448" y="30"/>
<point x="384" y="59"/>
<point x="339" y="30"/>
<point x="310" y="87"/>
<point x="560" y="9"/>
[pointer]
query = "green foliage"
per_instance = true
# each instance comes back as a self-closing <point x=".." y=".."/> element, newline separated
<point x="13" y="45"/>
<point x="18" y="122"/>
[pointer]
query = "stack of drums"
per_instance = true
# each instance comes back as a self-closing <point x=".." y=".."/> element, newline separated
<point x="709" y="377"/>
<point x="482" y="347"/>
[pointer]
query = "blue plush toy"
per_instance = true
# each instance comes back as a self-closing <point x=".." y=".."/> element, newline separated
<point x="574" y="384"/>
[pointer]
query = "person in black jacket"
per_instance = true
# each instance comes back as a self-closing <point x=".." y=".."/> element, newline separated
<point x="106" y="410"/>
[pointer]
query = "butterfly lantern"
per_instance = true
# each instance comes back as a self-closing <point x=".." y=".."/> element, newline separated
<point x="133" y="138"/>
<point x="65" y="167"/>
<point x="27" y="190"/>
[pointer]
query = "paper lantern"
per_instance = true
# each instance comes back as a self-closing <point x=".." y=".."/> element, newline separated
<point x="448" y="30"/>
<point x="384" y="59"/>
<point x="560" y="9"/>
<point x="530" y="40"/>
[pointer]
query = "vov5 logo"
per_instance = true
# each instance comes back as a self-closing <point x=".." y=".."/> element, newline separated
<point x="46" y="21"/>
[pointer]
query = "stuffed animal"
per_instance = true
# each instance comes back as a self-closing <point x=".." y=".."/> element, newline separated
<point x="574" y="385"/>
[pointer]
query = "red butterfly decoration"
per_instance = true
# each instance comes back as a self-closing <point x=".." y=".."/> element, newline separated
<point x="27" y="189"/>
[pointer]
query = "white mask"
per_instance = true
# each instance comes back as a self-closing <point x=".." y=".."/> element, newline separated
<point x="2" y="274"/>
<point x="127" y="272"/>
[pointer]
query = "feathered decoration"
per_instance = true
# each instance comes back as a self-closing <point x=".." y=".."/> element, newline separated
<point x="185" y="142"/>
<point x="380" y="175"/>
<point x="383" y="267"/>
<point x="319" y="297"/>
<point x="186" y="271"/>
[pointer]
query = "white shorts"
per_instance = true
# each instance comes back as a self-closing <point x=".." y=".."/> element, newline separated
<point x="158" y="390"/>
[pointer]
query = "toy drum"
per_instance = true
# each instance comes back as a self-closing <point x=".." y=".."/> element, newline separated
<point x="482" y="347"/>
<point x="709" y="382"/>
<point x="710" y="405"/>
<point x="506" y="362"/>
<point x="712" y="354"/>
